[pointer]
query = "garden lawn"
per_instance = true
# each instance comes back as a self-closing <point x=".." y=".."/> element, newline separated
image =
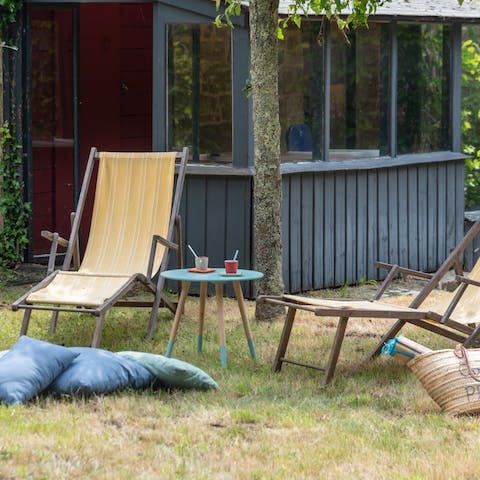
<point x="374" y="421"/>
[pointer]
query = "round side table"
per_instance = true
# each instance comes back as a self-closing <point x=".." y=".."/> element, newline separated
<point x="218" y="278"/>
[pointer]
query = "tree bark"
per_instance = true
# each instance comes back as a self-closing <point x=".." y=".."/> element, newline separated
<point x="267" y="194"/>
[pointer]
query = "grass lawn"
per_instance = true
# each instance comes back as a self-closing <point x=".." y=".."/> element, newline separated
<point x="374" y="421"/>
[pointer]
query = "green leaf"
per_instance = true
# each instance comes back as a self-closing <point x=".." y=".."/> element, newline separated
<point x="297" y="20"/>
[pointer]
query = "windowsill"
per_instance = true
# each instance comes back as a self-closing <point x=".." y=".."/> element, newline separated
<point x="336" y="155"/>
<point x="219" y="169"/>
<point x="371" y="163"/>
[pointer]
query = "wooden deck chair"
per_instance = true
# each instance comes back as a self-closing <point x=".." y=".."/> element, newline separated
<point x="458" y="319"/>
<point x="134" y="221"/>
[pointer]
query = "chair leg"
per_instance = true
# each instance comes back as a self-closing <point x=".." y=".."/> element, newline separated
<point x="153" y="317"/>
<point x="390" y="334"/>
<point x="337" y="345"/>
<point x="156" y="305"/>
<point x="26" y="321"/>
<point x="97" y="336"/>
<point x="53" y="321"/>
<point x="282" y="346"/>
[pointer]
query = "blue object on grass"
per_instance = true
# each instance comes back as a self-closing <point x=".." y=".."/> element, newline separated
<point x="29" y="367"/>
<point x="100" y="371"/>
<point x="389" y="348"/>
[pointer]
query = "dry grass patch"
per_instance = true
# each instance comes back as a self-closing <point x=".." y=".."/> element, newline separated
<point x="372" y="422"/>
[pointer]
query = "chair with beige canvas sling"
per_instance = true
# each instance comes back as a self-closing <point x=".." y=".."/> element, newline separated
<point x="134" y="224"/>
<point x="458" y="319"/>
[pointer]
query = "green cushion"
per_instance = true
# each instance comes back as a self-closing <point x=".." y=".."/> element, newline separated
<point x="171" y="372"/>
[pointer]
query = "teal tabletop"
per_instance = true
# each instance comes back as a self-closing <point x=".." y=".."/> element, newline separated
<point x="216" y="276"/>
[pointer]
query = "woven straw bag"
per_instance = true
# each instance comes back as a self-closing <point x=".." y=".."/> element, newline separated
<point x="451" y="378"/>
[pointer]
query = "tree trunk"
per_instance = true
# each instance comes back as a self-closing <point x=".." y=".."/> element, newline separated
<point x="267" y="195"/>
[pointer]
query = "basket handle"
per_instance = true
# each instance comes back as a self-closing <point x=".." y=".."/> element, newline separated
<point x="461" y="353"/>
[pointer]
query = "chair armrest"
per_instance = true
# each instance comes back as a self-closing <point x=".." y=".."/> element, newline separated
<point x="404" y="271"/>
<point x="165" y="242"/>
<point x="50" y="236"/>
<point x="466" y="280"/>
<point x="153" y="249"/>
<point x="394" y="270"/>
<point x="464" y="283"/>
<point x="56" y="240"/>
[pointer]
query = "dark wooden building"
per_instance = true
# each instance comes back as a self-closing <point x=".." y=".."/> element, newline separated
<point x="371" y="131"/>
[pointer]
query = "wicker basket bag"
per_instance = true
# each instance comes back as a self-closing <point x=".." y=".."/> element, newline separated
<point x="451" y="378"/>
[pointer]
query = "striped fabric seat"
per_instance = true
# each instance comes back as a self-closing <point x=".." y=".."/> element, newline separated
<point x="133" y="199"/>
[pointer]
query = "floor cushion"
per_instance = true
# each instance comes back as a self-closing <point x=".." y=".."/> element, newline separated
<point x="29" y="367"/>
<point x="97" y="371"/>
<point x="171" y="372"/>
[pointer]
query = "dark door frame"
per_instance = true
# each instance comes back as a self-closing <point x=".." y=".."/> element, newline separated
<point x="27" y="101"/>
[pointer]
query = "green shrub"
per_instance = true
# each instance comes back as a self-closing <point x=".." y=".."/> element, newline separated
<point x="13" y="211"/>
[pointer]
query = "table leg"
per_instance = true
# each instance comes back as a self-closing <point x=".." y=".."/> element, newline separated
<point x="201" y="316"/>
<point x="178" y="316"/>
<point x="243" y="313"/>
<point x="221" y="323"/>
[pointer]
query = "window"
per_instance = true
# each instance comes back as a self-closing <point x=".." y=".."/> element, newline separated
<point x="359" y="92"/>
<point x="199" y="91"/>
<point x="301" y="92"/>
<point x="423" y="98"/>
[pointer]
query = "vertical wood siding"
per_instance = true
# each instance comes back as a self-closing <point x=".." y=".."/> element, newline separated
<point x="336" y="225"/>
<point x="216" y="216"/>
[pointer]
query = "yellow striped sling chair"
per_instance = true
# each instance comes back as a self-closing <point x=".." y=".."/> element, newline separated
<point x="134" y="221"/>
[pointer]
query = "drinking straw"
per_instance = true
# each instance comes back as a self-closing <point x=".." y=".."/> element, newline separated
<point x="235" y="256"/>
<point x="191" y="249"/>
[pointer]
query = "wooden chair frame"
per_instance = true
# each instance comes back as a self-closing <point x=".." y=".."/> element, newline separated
<point x="72" y="258"/>
<point x="431" y="321"/>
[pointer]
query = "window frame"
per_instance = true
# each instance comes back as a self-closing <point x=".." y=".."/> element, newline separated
<point x="195" y="12"/>
<point x="454" y="140"/>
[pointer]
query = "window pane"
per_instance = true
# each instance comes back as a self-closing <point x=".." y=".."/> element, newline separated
<point x="359" y="93"/>
<point x="199" y="91"/>
<point x="300" y="91"/>
<point x="423" y="88"/>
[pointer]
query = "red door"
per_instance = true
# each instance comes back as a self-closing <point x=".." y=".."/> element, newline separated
<point x="114" y="104"/>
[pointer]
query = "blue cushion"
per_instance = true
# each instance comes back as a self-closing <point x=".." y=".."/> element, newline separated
<point x="99" y="371"/>
<point x="171" y="372"/>
<point x="299" y="138"/>
<point x="29" y="367"/>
